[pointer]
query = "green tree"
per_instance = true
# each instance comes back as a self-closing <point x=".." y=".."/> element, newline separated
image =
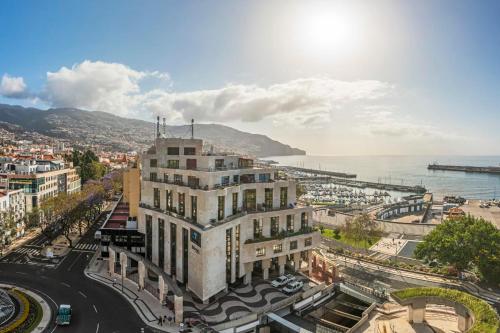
<point x="464" y="243"/>
<point x="362" y="228"/>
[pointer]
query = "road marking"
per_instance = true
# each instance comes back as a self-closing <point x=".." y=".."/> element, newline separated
<point x="95" y="309"/>
<point x="65" y="284"/>
<point x="97" y="329"/>
<point x="82" y="294"/>
<point x="74" y="262"/>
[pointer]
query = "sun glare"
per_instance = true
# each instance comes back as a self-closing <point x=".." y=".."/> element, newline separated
<point x="327" y="30"/>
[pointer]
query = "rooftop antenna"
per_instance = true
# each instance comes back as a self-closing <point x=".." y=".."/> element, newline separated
<point x="164" y="128"/>
<point x="192" y="128"/>
<point x="157" y="126"/>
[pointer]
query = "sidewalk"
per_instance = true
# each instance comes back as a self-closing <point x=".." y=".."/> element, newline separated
<point x="18" y="242"/>
<point x="148" y="307"/>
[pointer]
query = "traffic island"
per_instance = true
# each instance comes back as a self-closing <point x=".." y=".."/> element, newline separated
<point x="22" y="311"/>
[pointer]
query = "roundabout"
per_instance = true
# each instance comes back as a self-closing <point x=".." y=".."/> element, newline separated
<point x="22" y="310"/>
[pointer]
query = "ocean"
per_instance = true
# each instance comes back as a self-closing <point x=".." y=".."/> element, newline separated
<point x="410" y="170"/>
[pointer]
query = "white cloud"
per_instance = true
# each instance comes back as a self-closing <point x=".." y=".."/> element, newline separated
<point x="13" y="87"/>
<point x="102" y="86"/>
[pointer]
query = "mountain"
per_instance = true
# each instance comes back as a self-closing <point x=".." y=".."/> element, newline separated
<point x="107" y="131"/>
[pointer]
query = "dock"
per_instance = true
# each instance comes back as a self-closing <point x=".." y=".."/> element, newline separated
<point x="322" y="172"/>
<point x="465" y="168"/>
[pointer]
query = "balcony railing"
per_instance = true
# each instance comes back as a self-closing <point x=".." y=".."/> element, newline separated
<point x="210" y="169"/>
<point x="173" y="214"/>
<point x="282" y="235"/>
<point x="206" y="187"/>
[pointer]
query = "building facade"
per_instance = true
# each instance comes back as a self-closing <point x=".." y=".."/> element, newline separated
<point x="12" y="212"/>
<point x="210" y="220"/>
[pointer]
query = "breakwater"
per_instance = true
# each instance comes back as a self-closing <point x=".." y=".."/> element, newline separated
<point x="322" y="172"/>
<point x="464" y="168"/>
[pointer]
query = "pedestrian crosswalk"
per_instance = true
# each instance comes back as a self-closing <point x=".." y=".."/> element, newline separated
<point x="21" y="255"/>
<point x="86" y="247"/>
<point x="27" y="251"/>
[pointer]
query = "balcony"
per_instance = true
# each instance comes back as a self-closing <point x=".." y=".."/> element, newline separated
<point x="282" y="235"/>
<point x="173" y="214"/>
<point x="206" y="187"/>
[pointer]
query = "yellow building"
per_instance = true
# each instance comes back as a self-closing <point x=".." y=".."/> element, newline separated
<point x="132" y="189"/>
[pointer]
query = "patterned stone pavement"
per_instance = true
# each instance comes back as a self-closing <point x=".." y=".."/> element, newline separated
<point x="237" y="303"/>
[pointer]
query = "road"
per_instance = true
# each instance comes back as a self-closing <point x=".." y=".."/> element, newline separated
<point x="96" y="308"/>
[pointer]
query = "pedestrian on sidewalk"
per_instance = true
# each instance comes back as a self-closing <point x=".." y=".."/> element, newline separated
<point x="159" y="320"/>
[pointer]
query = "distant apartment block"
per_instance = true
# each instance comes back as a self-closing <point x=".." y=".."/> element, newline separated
<point x="38" y="179"/>
<point x="12" y="212"/>
<point x="211" y="220"/>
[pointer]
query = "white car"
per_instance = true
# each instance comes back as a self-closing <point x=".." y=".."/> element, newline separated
<point x="293" y="287"/>
<point x="282" y="280"/>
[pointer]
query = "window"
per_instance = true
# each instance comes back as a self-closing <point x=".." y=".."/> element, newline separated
<point x="289" y="223"/>
<point x="219" y="163"/>
<point x="250" y="200"/>
<point x="224" y="180"/>
<point x="304" y="220"/>
<point x="257" y="228"/>
<point x="191" y="164"/>
<point x="173" y="151"/>
<point x="173" y="164"/>
<point x="165" y="177"/>
<point x="283" y="197"/>
<point x="308" y="241"/>
<point x="189" y="151"/>
<point x="156" y="197"/>
<point x="220" y="207"/>
<point x="153" y="163"/>
<point x="277" y="248"/>
<point x="196" y="237"/>
<point x="193" y="182"/>
<point x="264" y="177"/>
<point x="229" y="250"/>
<point x="235" y="203"/>
<point x="275" y="226"/>
<point x="178" y="179"/>
<point x="194" y="208"/>
<point x="161" y="242"/>
<point x="236" y="178"/>
<point x="153" y="176"/>
<point x="268" y="198"/>
<point x="182" y="203"/>
<point x="149" y="236"/>
<point x="248" y="178"/>
<point x="169" y="196"/>
<point x="260" y="251"/>
<point x="293" y="245"/>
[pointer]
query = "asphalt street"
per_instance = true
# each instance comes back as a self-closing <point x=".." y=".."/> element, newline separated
<point x="96" y="308"/>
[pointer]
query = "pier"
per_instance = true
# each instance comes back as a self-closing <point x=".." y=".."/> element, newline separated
<point x="465" y="168"/>
<point x="322" y="172"/>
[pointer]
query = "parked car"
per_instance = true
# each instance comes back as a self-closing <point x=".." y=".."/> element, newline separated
<point x="282" y="280"/>
<point x="293" y="287"/>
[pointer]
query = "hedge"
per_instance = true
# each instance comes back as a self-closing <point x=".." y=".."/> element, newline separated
<point x="485" y="317"/>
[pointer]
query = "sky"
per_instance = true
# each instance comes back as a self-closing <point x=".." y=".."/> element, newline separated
<point x="331" y="77"/>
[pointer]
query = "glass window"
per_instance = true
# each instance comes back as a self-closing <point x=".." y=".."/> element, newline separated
<point x="264" y="177"/>
<point x="304" y="220"/>
<point x="178" y="179"/>
<point x="268" y="198"/>
<point x="224" y="180"/>
<point x="283" y="197"/>
<point x="257" y="228"/>
<point x="289" y="223"/>
<point x="194" y="208"/>
<point x="182" y="203"/>
<point x="293" y="245"/>
<point x="275" y="226"/>
<point x="156" y="197"/>
<point x="165" y="177"/>
<point x="173" y="151"/>
<point x="236" y="178"/>
<point x="220" y="209"/>
<point x="250" y="200"/>
<point x="153" y="176"/>
<point x="189" y="151"/>
<point x="277" y="248"/>
<point x="173" y="164"/>
<point x="308" y="241"/>
<point x="235" y="203"/>
<point x="260" y="251"/>
<point x="219" y="163"/>
<point x="153" y="163"/>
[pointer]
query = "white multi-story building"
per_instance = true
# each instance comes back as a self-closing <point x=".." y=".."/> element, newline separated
<point x="12" y="212"/>
<point x="210" y="220"/>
